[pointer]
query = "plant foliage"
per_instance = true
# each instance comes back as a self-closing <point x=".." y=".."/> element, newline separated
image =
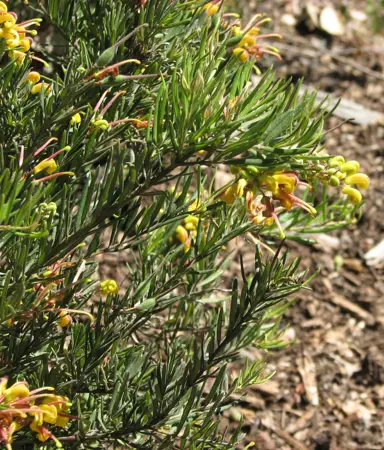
<point x="112" y="146"/>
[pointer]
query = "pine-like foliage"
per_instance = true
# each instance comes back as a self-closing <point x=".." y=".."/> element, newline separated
<point x="116" y="149"/>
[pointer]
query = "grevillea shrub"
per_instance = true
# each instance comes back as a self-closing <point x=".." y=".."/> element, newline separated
<point x="110" y="137"/>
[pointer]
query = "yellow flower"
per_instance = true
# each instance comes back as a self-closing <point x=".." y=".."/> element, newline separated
<point x="47" y="165"/>
<point x="3" y="385"/>
<point x="3" y="7"/>
<point x="33" y="77"/>
<point x="248" y="41"/>
<point x="17" y="391"/>
<point x="236" y="30"/>
<point x="183" y="237"/>
<point x="211" y="8"/>
<point x="65" y="320"/>
<point x="254" y="31"/>
<point x="12" y="43"/>
<point x="37" y="88"/>
<point x="241" y="53"/>
<point x="181" y="234"/>
<point x="52" y="410"/>
<point x="76" y="118"/>
<point x="285" y="183"/>
<point x="25" y="45"/>
<point x="18" y="56"/>
<point x="49" y="413"/>
<point x="361" y="180"/>
<point x="34" y="408"/>
<point x="109" y="287"/>
<point x="7" y="19"/>
<point x="235" y="191"/>
<point x="191" y="221"/>
<point x="354" y="195"/>
<point x="42" y="433"/>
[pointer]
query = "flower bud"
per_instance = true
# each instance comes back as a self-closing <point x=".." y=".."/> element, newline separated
<point x="37" y="88"/>
<point x="106" y="57"/>
<point x="76" y="118"/>
<point x="101" y="124"/>
<point x="193" y="220"/>
<point x="190" y="226"/>
<point x="337" y="161"/>
<point x="201" y="153"/>
<point x="181" y="234"/>
<point x="33" y="77"/>
<point x="334" y="181"/>
<point x="252" y="170"/>
<point x="236" y="30"/>
<point x="65" y="320"/>
<point x="361" y="180"/>
<point x="241" y="53"/>
<point x="354" y="195"/>
<point x="211" y="8"/>
<point x="350" y="167"/>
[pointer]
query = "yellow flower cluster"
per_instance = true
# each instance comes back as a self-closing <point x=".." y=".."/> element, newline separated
<point x="37" y="409"/>
<point x="15" y="34"/>
<point x="268" y="194"/>
<point x="274" y="189"/>
<point x="347" y="172"/>
<point x="109" y="287"/>
<point x="282" y="185"/>
<point x="249" y="44"/>
<point x="187" y="231"/>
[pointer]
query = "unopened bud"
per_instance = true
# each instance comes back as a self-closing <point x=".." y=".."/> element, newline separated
<point x="334" y="181"/>
<point x="361" y="180"/>
<point x="350" y="167"/>
<point x="354" y="195"/>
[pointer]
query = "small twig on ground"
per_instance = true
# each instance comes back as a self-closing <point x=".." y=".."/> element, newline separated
<point x="344" y="303"/>
<point x="285" y="436"/>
